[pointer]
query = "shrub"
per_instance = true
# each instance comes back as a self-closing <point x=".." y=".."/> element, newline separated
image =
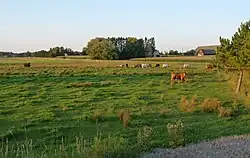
<point x="187" y="106"/>
<point x="225" y="112"/>
<point x="211" y="105"/>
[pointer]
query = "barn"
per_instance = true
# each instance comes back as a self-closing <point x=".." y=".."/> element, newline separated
<point x="206" y="50"/>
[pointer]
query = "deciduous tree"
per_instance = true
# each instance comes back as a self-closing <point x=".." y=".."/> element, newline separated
<point x="102" y="49"/>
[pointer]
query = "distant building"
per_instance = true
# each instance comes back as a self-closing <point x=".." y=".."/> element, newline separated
<point x="206" y="50"/>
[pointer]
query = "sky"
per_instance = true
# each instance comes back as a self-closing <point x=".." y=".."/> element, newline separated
<point x="30" y="25"/>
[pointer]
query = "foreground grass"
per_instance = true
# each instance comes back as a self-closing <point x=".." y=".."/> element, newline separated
<point x="51" y="112"/>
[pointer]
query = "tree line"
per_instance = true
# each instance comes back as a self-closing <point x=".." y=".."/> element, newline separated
<point x="52" y="52"/>
<point x="121" y="48"/>
<point x="126" y="48"/>
<point x="107" y="48"/>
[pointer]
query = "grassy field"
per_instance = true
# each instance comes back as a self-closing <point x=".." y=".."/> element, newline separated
<point x="178" y="59"/>
<point x="69" y="108"/>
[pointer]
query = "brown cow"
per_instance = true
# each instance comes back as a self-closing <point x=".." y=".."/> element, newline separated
<point x="178" y="76"/>
<point x="138" y="65"/>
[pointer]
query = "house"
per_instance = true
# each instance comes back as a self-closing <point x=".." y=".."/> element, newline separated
<point x="206" y="50"/>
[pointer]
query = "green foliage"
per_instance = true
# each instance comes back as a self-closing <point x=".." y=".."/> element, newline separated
<point x="102" y="49"/>
<point x="235" y="52"/>
<point x="120" y="48"/>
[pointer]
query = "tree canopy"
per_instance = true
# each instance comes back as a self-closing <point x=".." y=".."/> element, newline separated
<point x="120" y="48"/>
<point x="102" y="49"/>
<point x="235" y="53"/>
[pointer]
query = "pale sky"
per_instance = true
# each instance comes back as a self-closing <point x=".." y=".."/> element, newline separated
<point x="175" y="24"/>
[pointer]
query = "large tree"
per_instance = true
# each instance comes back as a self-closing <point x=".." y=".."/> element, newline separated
<point x="102" y="49"/>
<point x="125" y="47"/>
<point x="235" y="53"/>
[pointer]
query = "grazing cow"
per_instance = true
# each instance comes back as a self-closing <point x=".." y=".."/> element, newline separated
<point x="124" y="65"/>
<point x="138" y="65"/>
<point x="26" y="65"/>
<point x="157" y="65"/>
<point x="185" y="65"/>
<point x="165" y="65"/>
<point x="146" y="65"/>
<point x="178" y="76"/>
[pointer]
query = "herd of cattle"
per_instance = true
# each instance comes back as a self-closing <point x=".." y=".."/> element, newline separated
<point x="150" y="65"/>
<point x="174" y="76"/>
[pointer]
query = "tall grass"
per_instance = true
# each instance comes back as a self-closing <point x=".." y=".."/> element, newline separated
<point x="98" y="147"/>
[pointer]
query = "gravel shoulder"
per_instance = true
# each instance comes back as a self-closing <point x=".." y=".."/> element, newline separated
<point x="225" y="147"/>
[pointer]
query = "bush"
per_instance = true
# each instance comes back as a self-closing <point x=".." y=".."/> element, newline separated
<point x="211" y="105"/>
<point x="187" y="106"/>
<point x="225" y="112"/>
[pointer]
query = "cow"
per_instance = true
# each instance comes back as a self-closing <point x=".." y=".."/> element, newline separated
<point x="26" y="65"/>
<point x="178" y="76"/>
<point x="146" y="65"/>
<point x="165" y="65"/>
<point x="124" y="65"/>
<point x="138" y="65"/>
<point x="186" y="66"/>
<point x="209" y="67"/>
<point x="157" y="65"/>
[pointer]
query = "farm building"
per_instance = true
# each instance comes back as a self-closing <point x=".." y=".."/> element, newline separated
<point x="206" y="50"/>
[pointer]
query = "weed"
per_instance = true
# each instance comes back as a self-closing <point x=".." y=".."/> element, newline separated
<point x="225" y="112"/>
<point x="124" y="116"/>
<point x="144" y="137"/>
<point x="211" y="105"/>
<point x="187" y="106"/>
<point x="176" y="134"/>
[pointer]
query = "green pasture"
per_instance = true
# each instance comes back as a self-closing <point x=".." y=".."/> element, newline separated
<point x="46" y="111"/>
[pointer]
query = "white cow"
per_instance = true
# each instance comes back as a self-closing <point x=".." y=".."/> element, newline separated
<point x="146" y="65"/>
<point x="165" y="65"/>
<point x="185" y="65"/>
